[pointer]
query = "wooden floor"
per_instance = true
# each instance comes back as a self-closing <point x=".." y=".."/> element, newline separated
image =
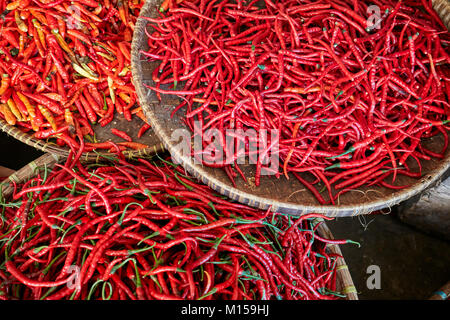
<point x="412" y="264"/>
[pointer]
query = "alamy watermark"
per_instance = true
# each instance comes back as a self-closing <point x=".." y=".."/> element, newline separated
<point x="74" y="18"/>
<point x="374" y="17"/>
<point x="217" y="148"/>
<point x="374" y="280"/>
<point x="74" y="281"/>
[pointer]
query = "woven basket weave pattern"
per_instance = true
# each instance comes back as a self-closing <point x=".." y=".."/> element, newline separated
<point x="442" y="7"/>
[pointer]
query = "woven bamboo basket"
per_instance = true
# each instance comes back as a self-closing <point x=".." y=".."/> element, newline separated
<point x="442" y="294"/>
<point x="282" y="195"/>
<point x="344" y="280"/>
<point x="103" y="134"/>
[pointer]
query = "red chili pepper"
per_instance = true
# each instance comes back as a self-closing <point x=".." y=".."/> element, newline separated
<point x="19" y="276"/>
<point x="91" y="115"/>
<point x="144" y="128"/>
<point x="11" y="38"/>
<point x="121" y="134"/>
<point x="59" y="66"/>
<point x="51" y="105"/>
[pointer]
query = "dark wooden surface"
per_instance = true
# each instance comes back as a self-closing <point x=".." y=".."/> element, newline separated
<point x="430" y="212"/>
<point x="131" y="128"/>
<point x="413" y="264"/>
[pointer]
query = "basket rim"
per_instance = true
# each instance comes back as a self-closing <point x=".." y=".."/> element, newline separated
<point x="430" y="179"/>
<point x="343" y="277"/>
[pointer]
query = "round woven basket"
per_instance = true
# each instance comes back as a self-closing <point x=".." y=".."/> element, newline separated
<point x="103" y="134"/>
<point x="282" y="195"/>
<point x="344" y="280"/>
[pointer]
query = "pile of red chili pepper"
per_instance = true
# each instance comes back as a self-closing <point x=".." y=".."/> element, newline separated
<point x="67" y="61"/>
<point x="145" y="230"/>
<point x="353" y="94"/>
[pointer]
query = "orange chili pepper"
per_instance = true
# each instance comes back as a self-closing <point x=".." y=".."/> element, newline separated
<point x="97" y="10"/>
<point x="20" y="23"/>
<point x="34" y="125"/>
<point x="28" y="105"/>
<point x="133" y="145"/>
<point x="28" y="51"/>
<point x="127" y="11"/>
<point x="48" y="116"/>
<point x="13" y="5"/>
<point x="94" y="30"/>
<point x="125" y="51"/>
<point x="294" y="135"/>
<point x="38" y="16"/>
<point x="86" y="12"/>
<point x="114" y="149"/>
<point x="6" y="81"/>
<point x="127" y="35"/>
<point x="40" y="32"/>
<point x="21" y="44"/>
<point x="24" y="14"/>
<point x="68" y="116"/>
<point x="64" y="45"/>
<point x="127" y="89"/>
<point x="20" y="105"/>
<point x="53" y="96"/>
<point x="122" y="13"/>
<point x="125" y="97"/>
<point x="38" y="42"/>
<point x="61" y="26"/>
<point x="15" y="111"/>
<point x="141" y="115"/>
<point x="9" y="117"/>
<point x="164" y="6"/>
<point x="136" y="110"/>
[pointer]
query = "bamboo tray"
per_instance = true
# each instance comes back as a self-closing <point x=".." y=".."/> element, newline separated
<point x="286" y="196"/>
